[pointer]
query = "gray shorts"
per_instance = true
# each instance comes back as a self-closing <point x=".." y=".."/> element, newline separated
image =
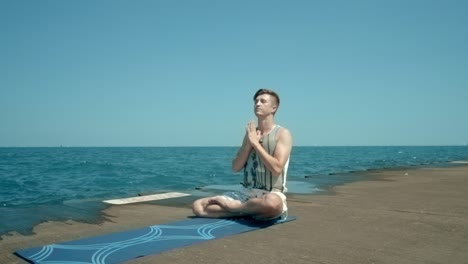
<point x="246" y="193"/>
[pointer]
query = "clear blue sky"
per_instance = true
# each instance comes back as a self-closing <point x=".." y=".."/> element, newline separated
<point x="182" y="73"/>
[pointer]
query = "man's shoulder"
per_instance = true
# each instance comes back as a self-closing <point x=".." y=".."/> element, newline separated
<point x="283" y="133"/>
<point x="282" y="130"/>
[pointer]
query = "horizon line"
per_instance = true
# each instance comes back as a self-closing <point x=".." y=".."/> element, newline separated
<point x="225" y="146"/>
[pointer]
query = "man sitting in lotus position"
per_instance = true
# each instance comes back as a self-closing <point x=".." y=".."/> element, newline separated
<point x="264" y="156"/>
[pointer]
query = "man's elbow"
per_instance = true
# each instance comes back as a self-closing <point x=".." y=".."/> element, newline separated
<point x="236" y="168"/>
<point x="277" y="172"/>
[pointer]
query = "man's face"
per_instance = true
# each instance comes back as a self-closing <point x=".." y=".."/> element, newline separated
<point x="264" y="105"/>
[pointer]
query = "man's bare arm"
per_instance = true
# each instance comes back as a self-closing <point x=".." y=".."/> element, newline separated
<point x="242" y="155"/>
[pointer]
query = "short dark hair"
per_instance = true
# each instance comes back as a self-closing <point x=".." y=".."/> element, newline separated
<point x="270" y="92"/>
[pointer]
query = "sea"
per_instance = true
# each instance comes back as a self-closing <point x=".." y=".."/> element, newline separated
<point x="70" y="183"/>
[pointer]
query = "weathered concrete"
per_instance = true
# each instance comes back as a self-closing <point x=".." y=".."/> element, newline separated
<point x="400" y="216"/>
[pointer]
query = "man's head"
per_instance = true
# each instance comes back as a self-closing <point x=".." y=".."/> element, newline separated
<point x="266" y="100"/>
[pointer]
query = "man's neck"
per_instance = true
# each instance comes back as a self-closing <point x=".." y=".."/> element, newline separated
<point x="265" y="125"/>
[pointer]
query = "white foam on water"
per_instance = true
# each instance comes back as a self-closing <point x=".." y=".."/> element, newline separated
<point x="301" y="187"/>
<point x="145" y="198"/>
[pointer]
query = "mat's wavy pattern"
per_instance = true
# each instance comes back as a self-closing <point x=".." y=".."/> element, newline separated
<point x="127" y="245"/>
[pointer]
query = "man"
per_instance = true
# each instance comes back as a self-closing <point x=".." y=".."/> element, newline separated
<point x="264" y="156"/>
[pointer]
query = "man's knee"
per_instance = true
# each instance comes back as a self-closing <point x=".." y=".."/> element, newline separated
<point x="273" y="205"/>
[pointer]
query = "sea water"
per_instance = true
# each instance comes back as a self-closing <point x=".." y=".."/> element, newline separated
<point x="41" y="184"/>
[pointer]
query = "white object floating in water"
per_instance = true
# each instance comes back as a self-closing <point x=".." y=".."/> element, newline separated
<point x="146" y="198"/>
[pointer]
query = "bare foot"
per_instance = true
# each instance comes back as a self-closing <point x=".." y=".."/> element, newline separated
<point x="230" y="206"/>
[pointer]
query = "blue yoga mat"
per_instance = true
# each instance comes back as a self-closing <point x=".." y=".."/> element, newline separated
<point x="127" y="245"/>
